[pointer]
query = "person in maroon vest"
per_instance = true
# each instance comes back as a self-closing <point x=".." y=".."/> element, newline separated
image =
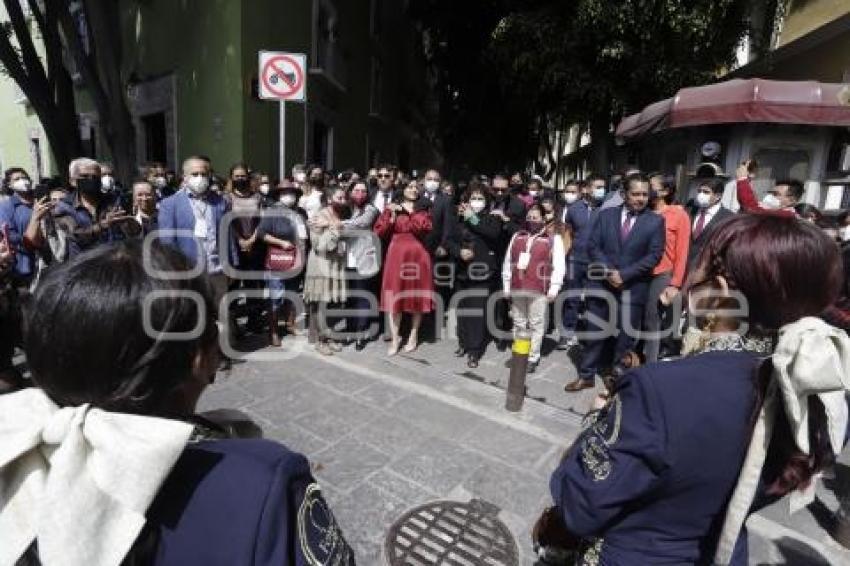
<point x="532" y="273"/>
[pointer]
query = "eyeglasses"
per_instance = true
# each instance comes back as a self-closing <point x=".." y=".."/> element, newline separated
<point x="384" y="176"/>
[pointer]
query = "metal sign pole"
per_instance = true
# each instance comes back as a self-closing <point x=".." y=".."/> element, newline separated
<point x="282" y="140"/>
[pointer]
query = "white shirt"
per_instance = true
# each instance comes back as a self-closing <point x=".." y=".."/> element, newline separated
<point x="311" y="204"/>
<point x="382" y="199"/>
<point x="709" y="214"/>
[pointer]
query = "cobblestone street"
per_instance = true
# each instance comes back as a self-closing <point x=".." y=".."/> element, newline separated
<point x="384" y="435"/>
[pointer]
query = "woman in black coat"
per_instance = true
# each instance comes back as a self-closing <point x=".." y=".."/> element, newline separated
<point x="473" y="245"/>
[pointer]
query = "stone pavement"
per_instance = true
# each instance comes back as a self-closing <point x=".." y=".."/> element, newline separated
<point x="384" y="435"/>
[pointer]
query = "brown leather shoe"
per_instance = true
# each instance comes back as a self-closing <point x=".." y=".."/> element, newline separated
<point x="578" y="385"/>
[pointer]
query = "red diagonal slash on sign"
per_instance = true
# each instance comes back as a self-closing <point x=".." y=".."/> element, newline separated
<point x="290" y="83"/>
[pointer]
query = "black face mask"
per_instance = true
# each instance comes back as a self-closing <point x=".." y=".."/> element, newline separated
<point x="241" y="185"/>
<point x="89" y="187"/>
<point x="534" y="227"/>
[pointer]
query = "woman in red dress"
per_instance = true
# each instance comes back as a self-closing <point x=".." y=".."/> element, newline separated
<point x="407" y="284"/>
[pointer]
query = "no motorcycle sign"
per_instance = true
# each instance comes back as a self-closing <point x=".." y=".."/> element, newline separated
<point x="283" y="76"/>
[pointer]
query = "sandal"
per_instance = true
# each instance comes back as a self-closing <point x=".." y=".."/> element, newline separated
<point x="411" y="343"/>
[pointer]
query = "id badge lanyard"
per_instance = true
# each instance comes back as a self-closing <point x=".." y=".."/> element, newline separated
<point x="525" y="257"/>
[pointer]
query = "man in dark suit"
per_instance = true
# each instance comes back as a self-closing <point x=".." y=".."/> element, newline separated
<point x="443" y="218"/>
<point x="510" y="211"/>
<point x="626" y="243"/>
<point x="706" y="214"/>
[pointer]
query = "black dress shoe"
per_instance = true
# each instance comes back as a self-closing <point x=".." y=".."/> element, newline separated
<point x="460" y="351"/>
<point x="472" y="361"/>
<point x="532" y="367"/>
<point x="359" y="345"/>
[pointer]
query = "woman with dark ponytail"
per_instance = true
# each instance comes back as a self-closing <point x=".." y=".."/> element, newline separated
<point x="672" y="463"/>
<point x="104" y="462"/>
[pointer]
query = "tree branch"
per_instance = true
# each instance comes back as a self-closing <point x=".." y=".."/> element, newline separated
<point x="85" y="65"/>
<point x="29" y="55"/>
<point x="52" y="43"/>
<point x="11" y="61"/>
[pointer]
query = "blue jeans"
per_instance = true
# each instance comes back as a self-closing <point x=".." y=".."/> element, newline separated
<point x="274" y="291"/>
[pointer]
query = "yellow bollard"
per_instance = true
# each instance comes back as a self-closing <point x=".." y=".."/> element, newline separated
<point x="519" y="364"/>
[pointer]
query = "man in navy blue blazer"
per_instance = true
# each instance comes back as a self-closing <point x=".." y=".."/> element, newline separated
<point x="626" y="243"/>
<point x="579" y="214"/>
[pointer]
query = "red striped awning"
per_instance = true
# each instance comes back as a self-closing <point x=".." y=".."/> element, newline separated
<point x="744" y="100"/>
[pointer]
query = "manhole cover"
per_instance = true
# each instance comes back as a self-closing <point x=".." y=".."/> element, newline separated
<point x="451" y="533"/>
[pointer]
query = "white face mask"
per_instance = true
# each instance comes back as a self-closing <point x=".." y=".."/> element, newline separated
<point x="771" y="202"/>
<point x="703" y="200"/>
<point x="477" y="205"/>
<point x="159" y="182"/>
<point x="198" y="185"/>
<point x="107" y="183"/>
<point x="431" y="186"/>
<point x="844" y="233"/>
<point x="264" y="189"/>
<point x="300" y="177"/>
<point x="21" y="185"/>
<point x="598" y="193"/>
<point x="288" y="200"/>
<point x="570" y="198"/>
<point x="533" y="194"/>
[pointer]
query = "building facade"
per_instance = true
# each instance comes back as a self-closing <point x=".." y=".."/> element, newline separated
<point x="191" y="69"/>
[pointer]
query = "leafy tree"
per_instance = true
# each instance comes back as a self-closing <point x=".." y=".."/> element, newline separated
<point x="90" y="31"/>
<point x="585" y="61"/>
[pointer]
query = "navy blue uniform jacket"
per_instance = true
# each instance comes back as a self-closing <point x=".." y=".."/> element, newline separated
<point x="649" y="478"/>
<point x="244" y="502"/>
<point x="636" y="257"/>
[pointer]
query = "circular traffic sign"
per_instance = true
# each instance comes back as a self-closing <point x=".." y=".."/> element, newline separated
<point x="282" y="76"/>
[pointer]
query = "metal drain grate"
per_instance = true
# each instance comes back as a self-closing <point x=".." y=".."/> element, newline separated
<point x="451" y="533"/>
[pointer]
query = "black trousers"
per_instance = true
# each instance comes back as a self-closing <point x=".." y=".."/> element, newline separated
<point x="472" y="316"/>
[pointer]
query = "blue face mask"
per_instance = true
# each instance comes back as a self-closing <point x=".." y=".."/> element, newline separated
<point x="598" y="193"/>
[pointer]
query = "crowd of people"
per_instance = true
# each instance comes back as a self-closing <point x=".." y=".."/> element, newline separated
<point x="672" y="459"/>
<point x="598" y="257"/>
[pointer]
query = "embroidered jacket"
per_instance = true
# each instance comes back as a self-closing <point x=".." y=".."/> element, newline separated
<point x="647" y="481"/>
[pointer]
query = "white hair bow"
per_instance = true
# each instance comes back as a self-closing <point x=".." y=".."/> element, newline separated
<point x="811" y="358"/>
<point x="78" y="479"/>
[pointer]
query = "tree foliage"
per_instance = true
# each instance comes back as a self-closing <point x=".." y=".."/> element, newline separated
<point x="583" y="61"/>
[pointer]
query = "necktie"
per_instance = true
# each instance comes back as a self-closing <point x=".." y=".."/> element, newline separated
<point x="700" y="224"/>
<point x="627" y="226"/>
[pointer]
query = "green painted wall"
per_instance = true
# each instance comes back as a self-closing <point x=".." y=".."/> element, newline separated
<point x="199" y="41"/>
<point x="211" y="47"/>
<point x="273" y="25"/>
<point x="17" y="122"/>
